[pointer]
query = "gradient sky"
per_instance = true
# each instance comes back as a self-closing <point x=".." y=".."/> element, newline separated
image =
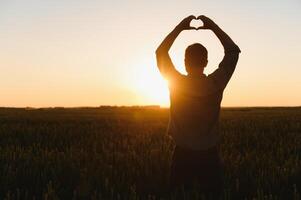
<point x="91" y="53"/>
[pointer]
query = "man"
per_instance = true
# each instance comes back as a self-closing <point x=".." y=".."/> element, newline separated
<point x="195" y="106"/>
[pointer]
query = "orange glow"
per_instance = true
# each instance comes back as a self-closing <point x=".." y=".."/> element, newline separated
<point x="91" y="53"/>
<point x="150" y="87"/>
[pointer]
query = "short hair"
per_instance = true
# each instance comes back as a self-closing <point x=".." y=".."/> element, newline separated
<point x="196" y="55"/>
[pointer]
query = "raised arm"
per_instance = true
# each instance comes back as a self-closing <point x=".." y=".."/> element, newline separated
<point x="222" y="75"/>
<point x="164" y="62"/>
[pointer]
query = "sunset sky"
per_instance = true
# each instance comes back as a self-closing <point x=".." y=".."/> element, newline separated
<point x="91" y="53"/>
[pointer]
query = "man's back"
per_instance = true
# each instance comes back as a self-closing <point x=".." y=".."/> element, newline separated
<point x="194" y="115"/>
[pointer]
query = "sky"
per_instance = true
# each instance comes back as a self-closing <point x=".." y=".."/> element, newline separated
<point x="91" y="53"/>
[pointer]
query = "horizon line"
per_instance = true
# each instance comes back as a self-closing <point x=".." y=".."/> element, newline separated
<point x="133" y="106"/>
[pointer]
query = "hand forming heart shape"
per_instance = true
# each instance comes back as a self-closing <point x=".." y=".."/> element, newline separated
<point x="197" y="24"/>
<point x="193" y="23"/>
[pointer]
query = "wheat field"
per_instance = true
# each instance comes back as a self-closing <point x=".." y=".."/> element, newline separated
<point x="124" y="153"/>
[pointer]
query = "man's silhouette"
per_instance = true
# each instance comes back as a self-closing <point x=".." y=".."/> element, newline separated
<point x="195" y="106"/>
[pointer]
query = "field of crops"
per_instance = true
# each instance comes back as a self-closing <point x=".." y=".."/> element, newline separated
<point x="124" y="153"/>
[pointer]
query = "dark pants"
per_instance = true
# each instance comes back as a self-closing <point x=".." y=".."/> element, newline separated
<point x="201" y="167"/>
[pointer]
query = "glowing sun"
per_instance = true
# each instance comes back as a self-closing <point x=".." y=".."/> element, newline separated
<point x="151" y="88"/>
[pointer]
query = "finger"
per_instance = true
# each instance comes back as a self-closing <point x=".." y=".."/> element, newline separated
<point x="201" y="27"/>
<point x="201" y="17"/>
<point x="191" y="17"/>
<point x="192" y="28"/>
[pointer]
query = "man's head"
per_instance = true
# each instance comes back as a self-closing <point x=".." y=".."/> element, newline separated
<point x="196" y="59"/>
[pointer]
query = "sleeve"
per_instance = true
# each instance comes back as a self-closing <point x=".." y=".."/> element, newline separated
<point x="221" y="76"/>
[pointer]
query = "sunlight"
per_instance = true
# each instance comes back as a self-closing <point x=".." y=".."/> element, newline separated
<point x="151" y="87"/>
